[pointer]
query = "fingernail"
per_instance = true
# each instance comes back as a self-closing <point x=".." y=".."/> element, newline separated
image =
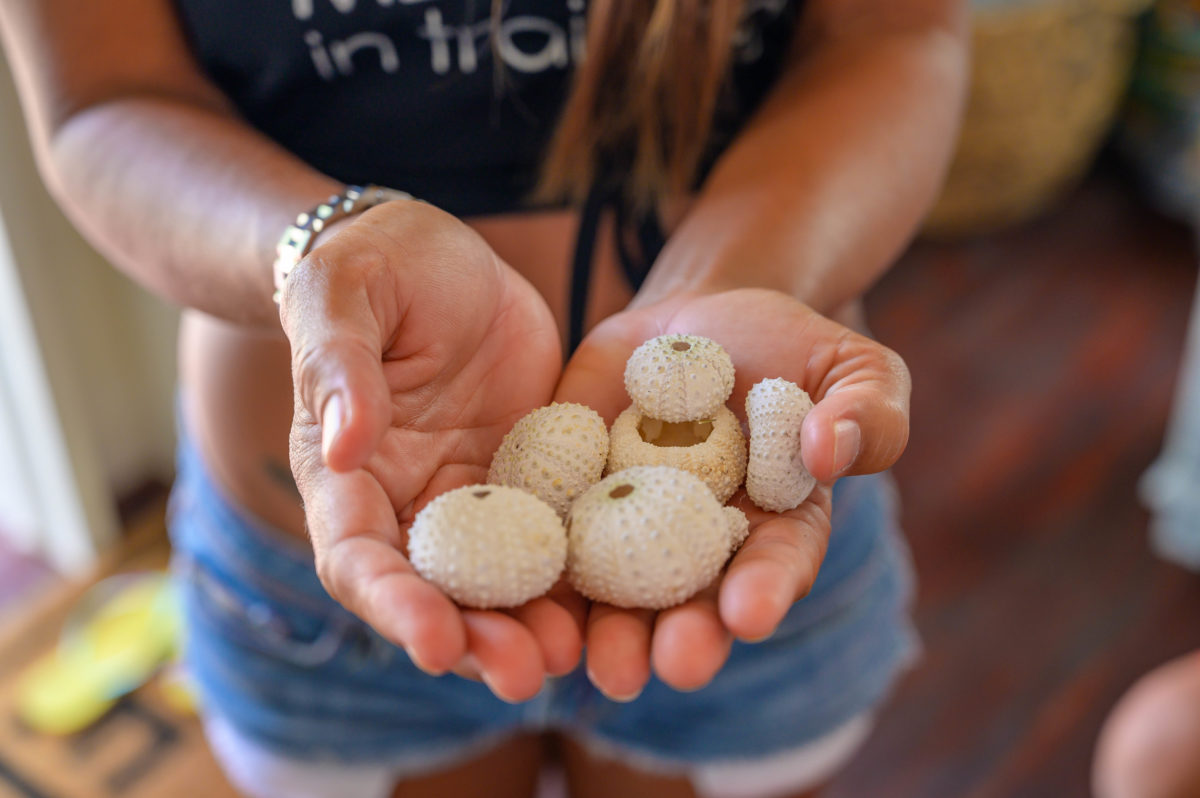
<point x="847" y="440"/>
<point x="423" y="667"/>
<point x="618" y="698"/>
<point x="333" y="416"/>
<point x="488" y="681"/>
<point x="622" y="699"/>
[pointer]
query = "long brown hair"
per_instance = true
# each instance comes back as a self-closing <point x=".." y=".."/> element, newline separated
<point x="644" y="97"/>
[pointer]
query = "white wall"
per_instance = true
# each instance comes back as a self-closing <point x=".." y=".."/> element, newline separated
<point x="105" y="346"/>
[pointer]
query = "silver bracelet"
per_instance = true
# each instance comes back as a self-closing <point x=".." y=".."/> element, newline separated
<point x="298" y="238"/>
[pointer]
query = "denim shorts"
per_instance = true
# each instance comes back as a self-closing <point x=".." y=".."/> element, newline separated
<point x="287" y="667"/>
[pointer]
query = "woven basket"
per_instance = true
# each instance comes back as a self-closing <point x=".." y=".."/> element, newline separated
<point x="1047" y="80"/>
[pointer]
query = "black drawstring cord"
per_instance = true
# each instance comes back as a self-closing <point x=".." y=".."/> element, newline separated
<point x="581" y="265"/>
<point x="650" y="241"/>
<point x="635" y="265"/>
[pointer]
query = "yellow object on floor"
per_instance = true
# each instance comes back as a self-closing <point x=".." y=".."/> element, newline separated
<point x="175" y="687"/>
<point x="114" y="640"/>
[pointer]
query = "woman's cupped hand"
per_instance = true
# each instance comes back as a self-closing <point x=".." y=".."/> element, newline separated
<point x="858" y="425"/>
<point x="414" y="350"/>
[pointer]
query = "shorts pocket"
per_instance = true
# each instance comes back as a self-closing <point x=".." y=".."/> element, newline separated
<point x="249" y="618"/>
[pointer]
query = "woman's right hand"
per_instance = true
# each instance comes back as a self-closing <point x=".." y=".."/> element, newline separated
<point x="414" y="350"/>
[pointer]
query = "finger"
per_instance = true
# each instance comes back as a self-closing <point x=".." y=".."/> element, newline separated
<point x="370" y="578"/>
<point x="777" y="565"/>
<point x="690" y="642"/>
<point x="506" y="654"/>
<point x="356" y="541"/>
<point x="336" y="355"/>
<point x="557" y="623"/>
<point x="860" y="425"/>
<point x="555" y="632"/>
<point x="618" y="650"/>
<point x="566" y="597"/>
<point x="468" y="668"/>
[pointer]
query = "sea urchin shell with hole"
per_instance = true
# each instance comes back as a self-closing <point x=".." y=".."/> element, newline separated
<point x="488" y="545"/>
<point x="679" y="377"/>
<point x="776" y="479"/>
<point x="555" y="453"/>
<point x="712" y="449"/>
<point x="649" y="536"/>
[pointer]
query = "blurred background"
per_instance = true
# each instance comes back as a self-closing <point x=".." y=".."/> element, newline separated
<point x="1051" y="488"/>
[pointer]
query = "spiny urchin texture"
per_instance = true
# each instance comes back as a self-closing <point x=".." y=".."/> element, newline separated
<point x="555" y="453"/>
<point x="776" y="478"/>
<point x="713" y="450"/>
<point x="488" y="545"/>
<point x="679" y="377"/>
<point x="739" y="527"/>
<point x="650" y="536"/>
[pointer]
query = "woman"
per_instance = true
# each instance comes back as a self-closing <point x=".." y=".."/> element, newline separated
<point x="784" y="153"/>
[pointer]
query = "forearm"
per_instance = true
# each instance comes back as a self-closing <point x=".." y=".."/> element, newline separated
<point x="186" y="200"/>
<point x="830" y="180"/>
<point x="146" y="155"/>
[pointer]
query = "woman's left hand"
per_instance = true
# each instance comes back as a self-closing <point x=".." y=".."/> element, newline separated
<point x="859" y="425"/>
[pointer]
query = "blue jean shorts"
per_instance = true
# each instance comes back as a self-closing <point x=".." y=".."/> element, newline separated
<point x="276" y="658"/>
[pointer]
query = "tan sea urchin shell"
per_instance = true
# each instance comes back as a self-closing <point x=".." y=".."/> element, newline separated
<point x="739" y="527"/>
<point x="679" y="377"/>
<point x="488" y="545"/>
<point x="776" y="478"/>
<point x="649" y="536"/>
<point x="718" y="458"/>
<point x="555" y="453"/>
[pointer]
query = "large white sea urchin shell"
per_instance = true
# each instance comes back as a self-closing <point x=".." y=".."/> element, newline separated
<point x="776" y="479"/>
<point x="488" y="545"/>
<point x="649" y="536"/>
<point x="713" y="450"/>
<point x="555" y="453"/>
<point x="679" y="377"/>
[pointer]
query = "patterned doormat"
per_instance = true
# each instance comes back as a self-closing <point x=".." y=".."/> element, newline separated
<point x="143" y="748"/>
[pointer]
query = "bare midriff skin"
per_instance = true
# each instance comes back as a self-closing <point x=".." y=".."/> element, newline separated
<point x="236" y="381"/>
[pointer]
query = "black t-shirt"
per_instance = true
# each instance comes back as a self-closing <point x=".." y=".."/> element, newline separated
<point x="406" y="93"/>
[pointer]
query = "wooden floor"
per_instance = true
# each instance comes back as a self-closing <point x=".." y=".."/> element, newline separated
<point x="1044" y="362"/>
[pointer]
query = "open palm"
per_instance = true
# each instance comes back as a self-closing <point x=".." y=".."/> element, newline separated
<point x="415" y="349"/>
<point x="859" y="425"/>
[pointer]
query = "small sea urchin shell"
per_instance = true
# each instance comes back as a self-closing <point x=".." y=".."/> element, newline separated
<point x="776" y="478"/>
<point x="679" y="377"/>
<point x="739" y="527"/>
<point x="555" y="453"/>
<point x="488" y="545"/>
<point x="713" y="450"/>
<point x="650" y="536"/>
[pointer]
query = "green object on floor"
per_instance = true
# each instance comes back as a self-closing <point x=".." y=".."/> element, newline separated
<point x="114" y="641"/>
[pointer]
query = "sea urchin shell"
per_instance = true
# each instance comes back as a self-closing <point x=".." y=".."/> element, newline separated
<point x="739" y="527"/>
<point x="679" y="377"/>
<point x="488" y="545"/>
<point x="649" y="536"/>
<point x="776" y="479"/>
<point x="555" y="453"/>
<point x="713" y="450"/>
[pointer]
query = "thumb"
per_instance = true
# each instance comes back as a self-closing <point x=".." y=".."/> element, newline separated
<point x="859" y="428"/>
<point x="337" y="361"/>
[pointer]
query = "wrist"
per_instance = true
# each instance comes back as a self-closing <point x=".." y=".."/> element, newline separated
<point x="713" y="253"/>
<point x="310" y="227"/>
